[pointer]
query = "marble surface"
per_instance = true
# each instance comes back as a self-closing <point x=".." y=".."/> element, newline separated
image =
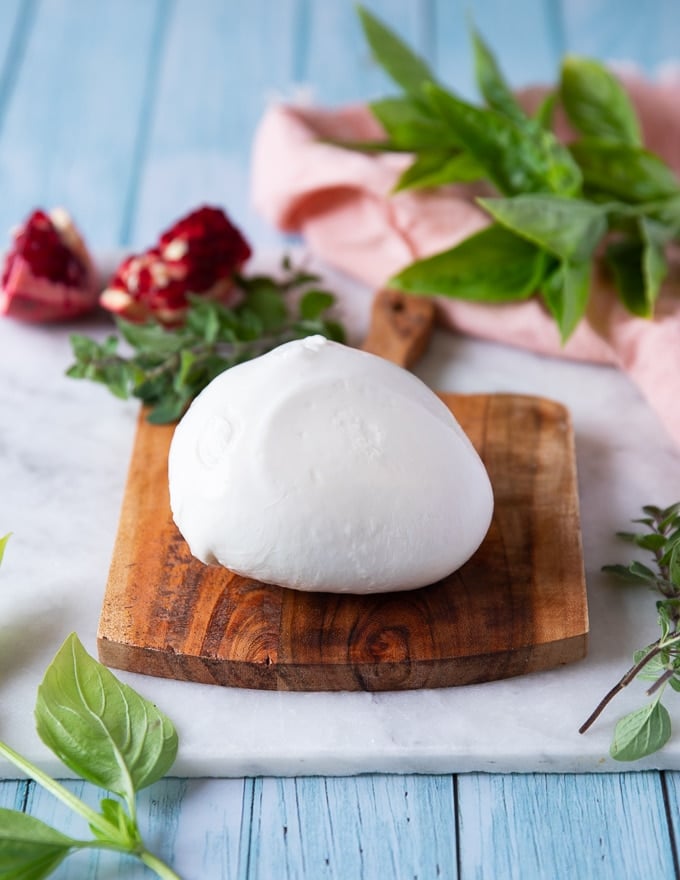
<point x="64" y="451"/>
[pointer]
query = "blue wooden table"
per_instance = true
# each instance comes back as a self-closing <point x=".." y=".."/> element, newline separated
<point x="131" y="112"/>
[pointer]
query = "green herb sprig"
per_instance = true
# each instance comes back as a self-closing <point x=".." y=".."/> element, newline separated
<point x="558" y="206"/>
<point x="168" y="367"/>
<point x="648" y="729"/>
<point x="105" y="732"/>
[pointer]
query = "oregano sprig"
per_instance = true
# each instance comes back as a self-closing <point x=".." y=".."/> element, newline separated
<point x="604" y="191"/>
<point x="169" y="366"/>
<point x="108" y="734"/>
<point x="647" y="729"/>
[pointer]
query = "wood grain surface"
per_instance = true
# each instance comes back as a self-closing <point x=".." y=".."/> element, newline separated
<point x="517" y="606"/>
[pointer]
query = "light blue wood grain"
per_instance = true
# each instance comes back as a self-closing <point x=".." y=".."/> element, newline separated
<point x="547" y="826"/>
<point x="13" y="795"/>
<point x="525" y="36"/>
<point x="334" y="57"/>
<point x="70" y="124"/>
<point x="218" y="71"/>
<point x="670" y="783"/>
<point x="362" y="827"/>
<point x="646" y="33"/>
<point x="16" y="20"/>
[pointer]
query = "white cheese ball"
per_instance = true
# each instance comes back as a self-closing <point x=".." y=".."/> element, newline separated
<point x="321" y="467"/>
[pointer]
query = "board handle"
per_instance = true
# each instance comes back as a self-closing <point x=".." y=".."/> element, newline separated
<point x="401" y="326"/>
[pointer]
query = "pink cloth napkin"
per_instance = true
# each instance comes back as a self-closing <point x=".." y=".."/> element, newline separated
<point x="339" y="200"/>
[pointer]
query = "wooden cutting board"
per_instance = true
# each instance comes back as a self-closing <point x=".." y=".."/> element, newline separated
<point x="517" y="606"/>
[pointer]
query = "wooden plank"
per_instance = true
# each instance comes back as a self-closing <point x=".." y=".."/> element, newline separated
<point x="13" y="794"/>
<point x="367" y="826"/>
<point x="70" y="125"/>
<point x="166" y="614"/>
<point x="194" y="826"/>
<point x="670" y="785"/>
<point x="16" y="21"/>
<point x="607" y="826"/>
<point x="219" y="69"/>
<point x="646" y="34"/>
<point x="334" y="57"/>
<point x="526" y="36"/>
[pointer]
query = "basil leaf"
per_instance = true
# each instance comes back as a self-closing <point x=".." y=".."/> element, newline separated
<point x="639" y="267"/>
<point x="99" y="727"/>
<point x="666" y="212"/>
<point x="596" y="103"/>
<point x="411" y="125"/>
<point x="514" y="161"/>
<point x="30" y="849"/>
<point x="393" y="55"/>
<point x="624" y="260"/>
<point x="546" y="111"/>
<point x="434" y="169"/>
<point x="624" y="172"/>
<point x="568" y="228"/>
<point x="492" y="266"/>
<point x="641" y="733"/>
<point x="491" y="82"/>
<point x="565" y="293"/>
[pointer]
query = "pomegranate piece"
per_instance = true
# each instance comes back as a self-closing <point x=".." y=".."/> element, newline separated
<point x="198" y="255"/>
<point x="48" y="273"/>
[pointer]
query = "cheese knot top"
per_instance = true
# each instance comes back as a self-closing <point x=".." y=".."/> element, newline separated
<point x="321" y="467"/>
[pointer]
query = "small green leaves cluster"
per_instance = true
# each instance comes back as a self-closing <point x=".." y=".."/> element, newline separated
<point x="648" y="729"/>
<point x="168" y="367"/>
<point x="557" y="203"/>
<point x="105" y="732"/>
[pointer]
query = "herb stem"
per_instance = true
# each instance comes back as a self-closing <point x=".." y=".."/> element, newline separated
<point x="63" y="794"/>
<point x="161" y="869"/>
<point x="625" y="680"/>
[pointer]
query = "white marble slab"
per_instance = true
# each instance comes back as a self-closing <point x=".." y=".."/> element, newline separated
<point x="64" y="450"/>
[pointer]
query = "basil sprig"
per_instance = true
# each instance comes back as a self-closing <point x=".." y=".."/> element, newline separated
<point x="168" y="367"/>
<point x="648" y="729"/>
<point x="558" y="205"/>
<point x="105" y="732"/>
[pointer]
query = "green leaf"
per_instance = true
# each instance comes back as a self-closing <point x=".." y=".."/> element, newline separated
<point x="565" y="293"/>
<point x="3" y="545"/>
<point x="546" y="111"/>
<point x="514" y="161"/>
<point x="674" y="565"/>
<point x="151" y="337"/>
<point x="411" y="125"/>
<point x="624" y="172"/>
<point x="626" y="574"/>
<point x="568" y="228"/>
<point x="393" y="55"/>
<point x="433" y="169"/>
<point x="314" y="303"/>
<point x="99" y="727"/>
<point x="113" y="812"/>
<point x="639" y="266"/>
<point x="491" y="266"/>
<point x="641" y="733"/>
<point x="492" y="84"/>
<point x="30" y="849"/>
<point x="596" y="103"/>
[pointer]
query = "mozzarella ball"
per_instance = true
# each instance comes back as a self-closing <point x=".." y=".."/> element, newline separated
<point x="321" y="467"/>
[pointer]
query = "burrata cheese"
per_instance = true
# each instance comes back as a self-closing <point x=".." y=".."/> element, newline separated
<point x="321" y="467"/>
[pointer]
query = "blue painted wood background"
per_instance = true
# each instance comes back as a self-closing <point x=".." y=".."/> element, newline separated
<point x="131" y="112"/>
